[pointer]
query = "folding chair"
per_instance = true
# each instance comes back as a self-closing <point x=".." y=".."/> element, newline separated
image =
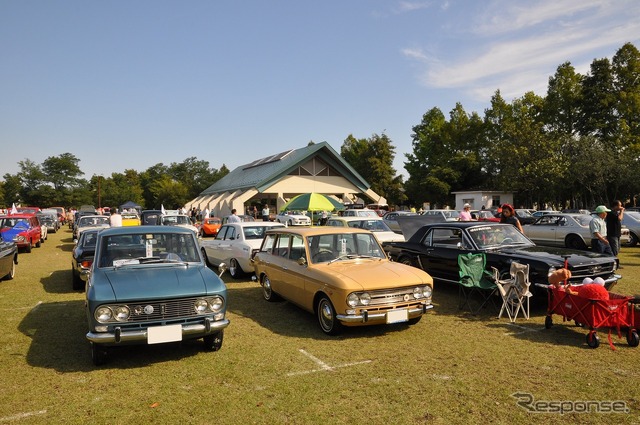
<point x="515" y="291"/>
<point x="475" y="279"/>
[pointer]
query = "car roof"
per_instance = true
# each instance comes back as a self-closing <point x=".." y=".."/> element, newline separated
<point x="318" y="230"/>
<point x="128" y="230"/>
<point x="352" y="218"/>
<point x="255" y="223"/>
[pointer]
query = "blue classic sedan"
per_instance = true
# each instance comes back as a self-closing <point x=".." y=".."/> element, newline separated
<point x="150" y="285"/>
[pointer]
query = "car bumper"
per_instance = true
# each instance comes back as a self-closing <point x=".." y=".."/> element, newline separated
<point x="366" y="316"/>
<point x="191" y="330"/>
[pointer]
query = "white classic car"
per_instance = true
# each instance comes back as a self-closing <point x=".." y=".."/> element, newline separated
<point x="568" y="230"/>
<point x="375" y="225"/>
<point x="181" y="220"/>
<point x="234" y="244"/>
<point x="293" y="218"/>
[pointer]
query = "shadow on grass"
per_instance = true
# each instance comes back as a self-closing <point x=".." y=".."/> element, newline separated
<point x="57" y="331"/>
<point x="58" y="282"/>
<point x="287" y="319"/>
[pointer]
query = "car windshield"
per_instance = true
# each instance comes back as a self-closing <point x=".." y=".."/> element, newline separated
<point x="93" y="221"/>
<point x="144" y="248"/>
<point x="451" y="214"/>
<point x="582" y="219"/>
<point x="342" y="246"/>
<point x="11" y="222"/>
<point x="254" y="232"/>
<point x="174" y="220"/>
<point x="487" y="237"/>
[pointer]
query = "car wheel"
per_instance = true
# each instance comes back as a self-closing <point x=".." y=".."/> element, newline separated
<point x="290" y="223"/>
<point x="327" y="317"/>
<point x="548" y="322"/>
<point x="267" y="291"/>
<point x="206" y="259"/>
<point x="99" y="354"/>
<point x="593" y="340"/>
<point x="633" y="240"/>
<point x="12" y="272"/>
<point x="213" y="342"/>
<point x="415" y="320"/>
<point x="29" y="247"/>
<point x="38" y="243"/>
<point x="234" y="269"/>
<point x="575" y="242"/>
<point x="407" y="260"/>
<point x="76" y="283"/>
<point x="633" y="339"/>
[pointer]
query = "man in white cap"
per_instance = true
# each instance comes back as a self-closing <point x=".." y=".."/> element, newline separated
<point x="465" y="214"/>
<point x="598" y="228"/>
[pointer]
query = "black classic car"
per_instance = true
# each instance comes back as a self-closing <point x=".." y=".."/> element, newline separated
<point x="8" y="259"/>
<point x="435" y="249"/>
<point x="82" y="257"/>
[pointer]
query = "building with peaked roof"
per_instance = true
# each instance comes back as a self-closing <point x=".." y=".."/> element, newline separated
<point x="277" y="178"/>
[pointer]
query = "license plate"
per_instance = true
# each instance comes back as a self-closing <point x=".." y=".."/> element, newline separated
<point x="160" y="334"/>
<point x="397" y="316"/>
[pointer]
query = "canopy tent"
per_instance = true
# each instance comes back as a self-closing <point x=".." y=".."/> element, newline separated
<point x="130" y="205"/>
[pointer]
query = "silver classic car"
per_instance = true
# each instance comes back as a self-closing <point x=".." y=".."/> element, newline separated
<point x="150" y="285"/>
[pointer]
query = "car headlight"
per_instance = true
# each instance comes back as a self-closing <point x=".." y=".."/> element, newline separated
<point x="365" y="298"/>
<point x="201" y="306"/>
<point x="122" y="313"/>
<point x="103" y="314"/>
<point x="352" y="299"/>
<point x="216" y="304"/>
<point x="427" y="291"/>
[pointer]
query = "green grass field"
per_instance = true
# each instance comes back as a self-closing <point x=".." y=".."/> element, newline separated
<point x="276" y="367"/>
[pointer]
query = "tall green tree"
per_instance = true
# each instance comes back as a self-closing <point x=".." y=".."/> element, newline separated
<point x="373" y="159"/>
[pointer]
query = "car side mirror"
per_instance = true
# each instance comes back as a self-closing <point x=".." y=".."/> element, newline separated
<point x="221" y="269"/>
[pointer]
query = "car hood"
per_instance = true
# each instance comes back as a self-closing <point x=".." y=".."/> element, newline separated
<point x="553" y="255"/>
<point x="155" y="281"/>
<point x="9" y="234"/>
<point x="374" y="274"/>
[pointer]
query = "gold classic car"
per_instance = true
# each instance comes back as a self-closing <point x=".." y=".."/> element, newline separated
<point x="341" y="275"/>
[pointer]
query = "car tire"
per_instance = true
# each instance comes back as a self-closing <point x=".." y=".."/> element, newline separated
<point x="213" y="342"/>
<point x="76" y="283"/>
<point x="38" y="243"/>
<point x="327" y="317"/>
<point x="235" y="270"/>
<point x="407" y="261"/>
<point x="415" y="320"/>
<point x="206" y="259"/>
<point x="12" y="272"/>
<point x="633" y="240"/>
<point x="575" y="242"/>
<point x="29" y="247"/>
<point x="267" y="291"/>
<point x="99" y="354"/>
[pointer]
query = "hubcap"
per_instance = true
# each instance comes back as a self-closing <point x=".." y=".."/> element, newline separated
<point x="266" y="288"/>
<point x="326" y="315"/>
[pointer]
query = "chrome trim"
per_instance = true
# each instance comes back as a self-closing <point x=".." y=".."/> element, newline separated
<point x="199" y="329"/>
<point x="367" y="316"/>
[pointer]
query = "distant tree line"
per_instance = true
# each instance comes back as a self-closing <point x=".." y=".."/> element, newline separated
<point x="578" y="146"/>
<point x="57" y="182"/>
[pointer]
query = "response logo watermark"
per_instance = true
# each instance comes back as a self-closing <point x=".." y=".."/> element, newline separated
<point x="528" y="402"/>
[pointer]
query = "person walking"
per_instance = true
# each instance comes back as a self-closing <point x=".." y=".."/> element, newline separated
<point x="598" y="229"/>
<point x="465" y="214"/>
<point x="508" y="215"/>
<point x="233" y="218"/>
<point x="614" y="226"/>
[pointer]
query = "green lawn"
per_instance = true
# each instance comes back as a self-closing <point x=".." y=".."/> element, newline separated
<point x="276" y="367"/>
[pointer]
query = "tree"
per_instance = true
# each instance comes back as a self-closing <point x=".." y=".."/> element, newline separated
<point x="562" y="105"/>
<point x="373" y="159"/>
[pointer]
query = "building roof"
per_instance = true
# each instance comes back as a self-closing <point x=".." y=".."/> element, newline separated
<point x="263" y="173"/>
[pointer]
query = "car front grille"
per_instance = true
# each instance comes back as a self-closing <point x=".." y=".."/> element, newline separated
<point x="393" y="296"/>
<point x="162" y="310"/>
<point x="579" y="272"/>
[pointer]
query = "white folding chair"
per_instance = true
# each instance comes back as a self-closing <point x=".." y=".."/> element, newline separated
<point x="515" y="291"/>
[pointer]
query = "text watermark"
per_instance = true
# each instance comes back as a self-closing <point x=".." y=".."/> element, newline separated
<point x="528" y="402"/>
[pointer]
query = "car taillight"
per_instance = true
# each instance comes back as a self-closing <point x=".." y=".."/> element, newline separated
<point x="87" y="263"/>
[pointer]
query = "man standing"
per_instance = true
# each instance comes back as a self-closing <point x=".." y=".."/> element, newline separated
<point x="265" y="213"/>
<point x="614" y="226"/>
<point x="598" y="228"/>
<point x="115" y="219"/>
<point x="233" y="218"/>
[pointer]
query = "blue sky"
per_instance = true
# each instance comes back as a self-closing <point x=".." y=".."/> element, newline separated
<point x="129" y="84"/>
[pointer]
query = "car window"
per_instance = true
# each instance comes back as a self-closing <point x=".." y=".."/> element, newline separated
<point x="446" y="237"/>
<point x="231" y="233"/>
<point x="267" y="244"/>
<point x="335" y="223"/>
<point x="325" y="248"/>
<point x="89" y="240"/>
<point x="297" y="248"/>
<point x="282" y="246"/>
<point x="221" y="233"/>
<point x="147" y="248"/>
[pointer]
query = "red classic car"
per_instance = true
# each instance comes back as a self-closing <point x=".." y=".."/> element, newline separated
<point x="23" y="229"/>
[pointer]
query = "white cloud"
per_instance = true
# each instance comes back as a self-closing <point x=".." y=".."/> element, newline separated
<point x="524" y="44"/>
